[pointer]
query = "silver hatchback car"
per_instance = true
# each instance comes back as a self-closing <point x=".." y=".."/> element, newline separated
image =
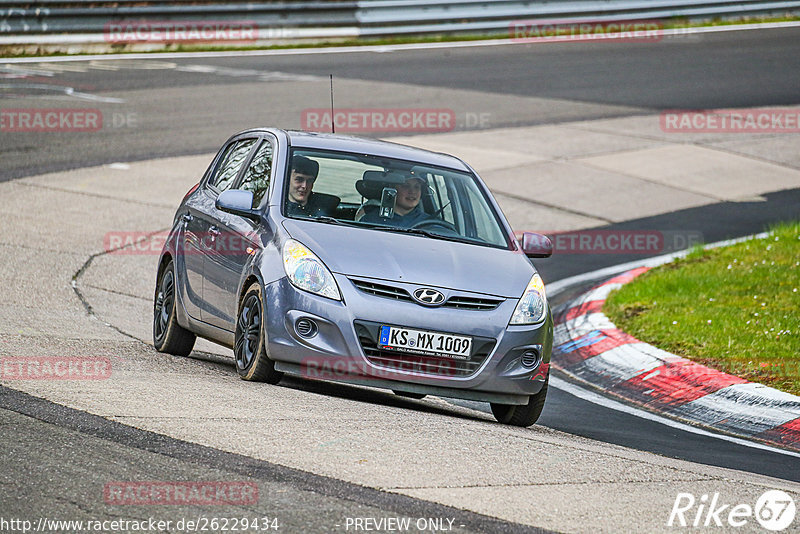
<point x="339" y="258"/>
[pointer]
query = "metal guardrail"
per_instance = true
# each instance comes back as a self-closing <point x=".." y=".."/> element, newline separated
<point x="319" y="19"/>
<point x="95" y="19"/>
<point x="377" y="17"/>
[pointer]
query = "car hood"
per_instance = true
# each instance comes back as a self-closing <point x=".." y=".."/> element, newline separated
<point x="414" y="259"/>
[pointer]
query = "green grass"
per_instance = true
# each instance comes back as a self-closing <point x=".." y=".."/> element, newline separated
<point x="667" y="24"/>
<point x="736" y="309"/>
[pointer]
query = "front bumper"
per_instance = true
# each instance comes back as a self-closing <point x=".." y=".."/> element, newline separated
<point x="339" y="349"/>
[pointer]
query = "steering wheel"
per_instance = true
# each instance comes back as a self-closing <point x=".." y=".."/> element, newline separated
<point x="435" y="222"/>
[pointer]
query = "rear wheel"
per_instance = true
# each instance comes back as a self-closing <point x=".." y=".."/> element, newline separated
<point x="168" y="335"/>
<point x="521" y="414"/>
<point x="252" y="361"/>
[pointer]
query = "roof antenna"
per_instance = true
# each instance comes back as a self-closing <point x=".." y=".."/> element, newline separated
<point x="333" y="126"/>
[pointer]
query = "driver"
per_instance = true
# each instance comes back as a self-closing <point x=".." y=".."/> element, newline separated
<point x="407" y="209"/>
<point x="302" y="201"/>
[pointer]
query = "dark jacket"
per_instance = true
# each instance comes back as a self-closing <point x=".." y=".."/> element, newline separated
<point x="403" y="221"/>
<point x="318" y="205"/>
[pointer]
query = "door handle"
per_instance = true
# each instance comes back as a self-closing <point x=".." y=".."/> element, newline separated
<point x="187" y="217"/>
<point x="214" y="231"/>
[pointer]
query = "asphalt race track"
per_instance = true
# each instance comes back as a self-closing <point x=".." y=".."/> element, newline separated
<point x="322" y="453"/>
<point x="194" y="112"/>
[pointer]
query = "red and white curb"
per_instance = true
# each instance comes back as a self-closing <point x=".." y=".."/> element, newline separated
<point x="587" y="346"/>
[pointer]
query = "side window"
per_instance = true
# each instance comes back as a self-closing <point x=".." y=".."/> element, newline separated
<point x="485" y="223"/>
<point x="230" y="164"/>
<point x="256" y="178"/>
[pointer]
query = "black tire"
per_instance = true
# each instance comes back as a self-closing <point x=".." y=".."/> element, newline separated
<point x="168" y="335"/>
<point x="252" y="361"/>
<point x="409" y="394"/>
<point x="521" y="414"/>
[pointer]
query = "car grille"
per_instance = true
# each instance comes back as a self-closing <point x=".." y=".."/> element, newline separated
<point x="471" y="303"/>
<point x="461" y="302"/>
<point x="408" y="362"/>
<point x="380" y="290"/>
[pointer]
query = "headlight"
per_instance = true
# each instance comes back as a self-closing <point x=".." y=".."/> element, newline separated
<point x="307" y="272"/>
<point x="532" y="306"/>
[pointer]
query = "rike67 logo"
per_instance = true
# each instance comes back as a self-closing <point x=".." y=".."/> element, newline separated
<point x="774" y="510"/>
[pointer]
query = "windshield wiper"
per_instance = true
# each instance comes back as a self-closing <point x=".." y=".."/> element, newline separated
<point x="396" y="229"/>
<point x="333" y="220"/>
<point x="426" y="233"/>
<point x="356" y="224"/>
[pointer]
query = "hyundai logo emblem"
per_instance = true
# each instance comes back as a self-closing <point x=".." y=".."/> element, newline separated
<point x="429" y="297"/>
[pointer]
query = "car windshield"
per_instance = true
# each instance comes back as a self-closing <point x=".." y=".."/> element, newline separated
<point x="390" y="195"/>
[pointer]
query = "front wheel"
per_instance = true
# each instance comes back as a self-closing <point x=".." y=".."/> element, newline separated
<point x="168" y="335"/>
<point x="521" y="414"/>
<point x="250" y="351"/>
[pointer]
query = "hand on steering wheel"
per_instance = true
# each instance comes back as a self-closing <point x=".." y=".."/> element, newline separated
<point x="435" y="222"/>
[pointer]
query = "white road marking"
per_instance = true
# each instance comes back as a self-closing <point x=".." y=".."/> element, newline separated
<point x="26" y="71"/>
<point x="600" y="293"/>
<point x="600" y="400"/>
<point x="59" y="90"/>
<point x="752" y="406"/>
<point x="580" y="326"/>
<point x="263" y="75"/>
<point x="59" y="68"/>
<point x="626" y="361"/>
<point x="50" y="69"/>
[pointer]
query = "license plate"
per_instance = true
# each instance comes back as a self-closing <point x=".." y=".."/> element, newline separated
<point x="424" y="343"/>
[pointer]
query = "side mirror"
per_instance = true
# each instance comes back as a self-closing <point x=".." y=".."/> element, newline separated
<point x="536" y="245"/>
<point x="237" y="202"/>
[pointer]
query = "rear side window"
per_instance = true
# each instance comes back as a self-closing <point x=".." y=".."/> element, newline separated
<point x="235" y="155"/>
<point x="256" y="177"/>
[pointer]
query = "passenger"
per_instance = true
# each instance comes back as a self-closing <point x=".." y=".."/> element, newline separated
<point x="302" y="201"/>
<point x="407" y="209"/>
